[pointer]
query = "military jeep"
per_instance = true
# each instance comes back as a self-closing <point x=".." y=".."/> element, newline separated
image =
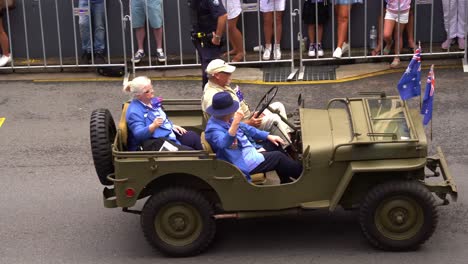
<point x="366" y="153"/>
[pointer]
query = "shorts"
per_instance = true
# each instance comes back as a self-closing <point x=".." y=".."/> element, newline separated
<point x="308" y="13"/>
<point x="139" y="13"/>
<point x="233" y="8"/>
<point x="348" y="2"/>
<point x="403" y="19"/>
<point x="272" y="5"/>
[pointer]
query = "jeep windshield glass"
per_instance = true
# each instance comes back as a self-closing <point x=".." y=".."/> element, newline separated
<point x="388" y="119"/>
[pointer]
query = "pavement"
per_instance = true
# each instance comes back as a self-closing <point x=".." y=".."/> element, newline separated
<point x="252" y="75"/>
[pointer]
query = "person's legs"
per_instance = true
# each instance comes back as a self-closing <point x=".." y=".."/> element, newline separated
<point x="85" y="33"/>
<point x="410" y="30"/>
<point x="140" y="34"/>
<point x="388" y="35"/>
<point x="190" y="139"/>
<point x="235" y="37"/>
<point x="158" y="35"/>
<point x="268" y="27"/>
<point x="342" y="13"/>
<point x="99" y="27"/>
<point x="284" y="166"/>
<point x="279" y="27"/>
<point x="4" y="44"/>
<point x="461" y="17"/>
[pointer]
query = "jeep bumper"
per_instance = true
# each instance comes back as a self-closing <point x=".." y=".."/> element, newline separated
<point x="438" y="165"/>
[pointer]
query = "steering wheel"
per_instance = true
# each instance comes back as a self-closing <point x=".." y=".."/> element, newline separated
<point x="266" y="100"/>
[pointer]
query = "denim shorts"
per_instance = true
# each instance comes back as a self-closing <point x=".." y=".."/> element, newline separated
<point x="139" y="13"/>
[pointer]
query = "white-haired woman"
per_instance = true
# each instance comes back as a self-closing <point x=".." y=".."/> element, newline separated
<point x="149" y="126"/>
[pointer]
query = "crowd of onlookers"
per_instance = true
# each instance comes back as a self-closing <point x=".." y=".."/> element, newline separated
<point x="397" y="22"/>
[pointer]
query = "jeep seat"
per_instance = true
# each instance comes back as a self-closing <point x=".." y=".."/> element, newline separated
<point x="258" y="178"/>
<point x="123" y="129"/>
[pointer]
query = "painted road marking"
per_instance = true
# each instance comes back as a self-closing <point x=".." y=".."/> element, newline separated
<point x="2" y="119"/>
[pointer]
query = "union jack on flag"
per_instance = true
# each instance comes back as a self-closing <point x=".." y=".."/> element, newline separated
<point x="410" y="83"/>
<point x="426" y="108"/>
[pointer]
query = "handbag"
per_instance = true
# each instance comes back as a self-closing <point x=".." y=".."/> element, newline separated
<point x="10" y="3"/>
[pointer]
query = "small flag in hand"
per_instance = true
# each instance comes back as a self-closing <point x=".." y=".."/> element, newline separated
<point x="426" y="108"/>
<point x="410" y="83"/>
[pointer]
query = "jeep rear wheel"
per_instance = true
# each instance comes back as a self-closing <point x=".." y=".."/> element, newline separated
<point x="398" y="215"/>
<point x="179" y="222"/>
<point x="102" y="135"/>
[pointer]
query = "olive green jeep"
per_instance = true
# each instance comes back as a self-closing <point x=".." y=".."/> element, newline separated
<point x="367" y="153"/>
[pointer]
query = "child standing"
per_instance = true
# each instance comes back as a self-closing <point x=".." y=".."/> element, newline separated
<point x="309" y="11"/>
<point x="397" y="13"/>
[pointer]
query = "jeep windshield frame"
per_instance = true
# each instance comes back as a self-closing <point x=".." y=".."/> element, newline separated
<point x="371" y="134"/>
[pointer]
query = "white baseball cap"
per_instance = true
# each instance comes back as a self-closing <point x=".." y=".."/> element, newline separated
<point x="219" y="65"/>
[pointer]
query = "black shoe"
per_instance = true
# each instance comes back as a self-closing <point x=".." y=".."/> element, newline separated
<point x="99" y="58"/>
<point x="86" y="58"/>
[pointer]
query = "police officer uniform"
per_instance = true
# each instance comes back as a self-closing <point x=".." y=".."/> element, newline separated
<point x="204" y="16"/>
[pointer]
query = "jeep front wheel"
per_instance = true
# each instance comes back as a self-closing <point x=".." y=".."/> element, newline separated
<point x="398" y="215"/>
<point x="179" y="222"/>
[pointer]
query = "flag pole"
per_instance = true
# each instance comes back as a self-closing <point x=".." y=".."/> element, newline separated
<point x="432" y="70"/>
<point x="420" y="98"/>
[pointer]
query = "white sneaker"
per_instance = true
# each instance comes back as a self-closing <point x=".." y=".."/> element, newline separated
<point x="277" y="53"/>
<point x="319" y="50"/>
<point x="267" y="54"/>
<point x="344" y="47"/>
<point x="311" y="52"/>
<point x="4" y="60"/>
<point x="337" y="53"/>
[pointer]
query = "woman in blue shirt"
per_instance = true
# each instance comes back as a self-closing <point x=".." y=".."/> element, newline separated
<point x="149" y="126"/>
<point x="228" y="137"/>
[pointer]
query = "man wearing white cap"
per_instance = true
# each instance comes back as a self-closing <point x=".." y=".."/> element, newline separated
<point x="219" y="80"/>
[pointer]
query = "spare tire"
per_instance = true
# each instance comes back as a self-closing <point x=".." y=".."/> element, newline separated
<point x="102" y="134"/>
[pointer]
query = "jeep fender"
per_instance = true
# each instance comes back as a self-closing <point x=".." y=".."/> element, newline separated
<point x="373" y="166"/>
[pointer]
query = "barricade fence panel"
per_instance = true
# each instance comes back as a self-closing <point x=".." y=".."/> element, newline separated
<point x="50" y="33"/>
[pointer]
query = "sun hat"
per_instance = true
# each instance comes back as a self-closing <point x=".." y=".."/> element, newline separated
<point x="219" y="65"/>
<point x="222" y="104"/>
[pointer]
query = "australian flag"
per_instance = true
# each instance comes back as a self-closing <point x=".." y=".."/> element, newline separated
<point x="426" y="108"/>
<point x="410" y="83"/>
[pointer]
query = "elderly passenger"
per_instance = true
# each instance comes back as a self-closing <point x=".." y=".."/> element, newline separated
<point x="149" y="126"/>
<point x="229" y="139"/>
<point x="219" y="81"/>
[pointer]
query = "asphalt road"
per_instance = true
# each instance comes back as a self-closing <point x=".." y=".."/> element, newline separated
<point x="50" y="199"/>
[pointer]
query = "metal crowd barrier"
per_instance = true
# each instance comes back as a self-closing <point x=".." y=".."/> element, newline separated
<point x="184" y="55"/>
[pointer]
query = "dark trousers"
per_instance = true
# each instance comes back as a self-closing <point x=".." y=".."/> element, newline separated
<point x="191" y="140"/>
<point x="206" y="54"/>
<point x="284" y="166"/>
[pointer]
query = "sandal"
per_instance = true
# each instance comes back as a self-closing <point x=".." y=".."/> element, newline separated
<point x="388" y="48"/>
<point x="375" y="52"/>
<point x="238" y="57"/>
<point x="395" y="63"/>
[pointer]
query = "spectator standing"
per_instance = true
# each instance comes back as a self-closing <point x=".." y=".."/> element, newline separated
<point x="342" y="10"/>
<point x="454" y="22"/>
<point x="140" y="10"/>
<point x="397" y="14"/>
<point x="208" y="19"/>
<point x="4" y="44"/>
<point x="234" y="9"/>
<point x="272" y="11"/>
<point x="92" y="31"/>
<point x="311" y="7"/>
